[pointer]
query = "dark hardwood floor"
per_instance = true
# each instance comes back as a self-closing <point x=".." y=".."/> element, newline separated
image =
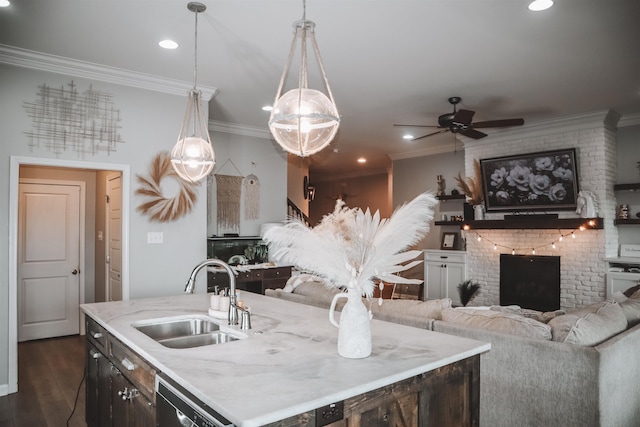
<point x="49" y="373"/>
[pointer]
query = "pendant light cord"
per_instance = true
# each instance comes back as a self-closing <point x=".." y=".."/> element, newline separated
<point x="195" y="54"/>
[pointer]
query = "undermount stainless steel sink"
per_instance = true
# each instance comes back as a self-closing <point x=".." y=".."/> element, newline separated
<point x="185" y="332"/>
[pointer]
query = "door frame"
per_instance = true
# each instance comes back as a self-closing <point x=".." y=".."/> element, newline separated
<point x="14" y="179"/>
<point x="107" y="234"/>
<point x="82" y="247"/>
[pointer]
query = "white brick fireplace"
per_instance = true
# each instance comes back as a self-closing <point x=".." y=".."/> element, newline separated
<point x="582" y="274"/>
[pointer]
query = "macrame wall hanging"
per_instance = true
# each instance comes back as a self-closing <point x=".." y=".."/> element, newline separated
<point x="229" y="188"/>
<point x="228" y="192"/>
<point x="251" y="197"/>
<point x="157" y="206"/>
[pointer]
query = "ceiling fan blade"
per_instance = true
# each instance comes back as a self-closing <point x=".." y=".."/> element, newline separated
<point x="464" y="116"/>
<point x="418" y="126"/>
<point x="499" y="123"/>
<point x="430" y="134"/>
<point x="472" y="133"/>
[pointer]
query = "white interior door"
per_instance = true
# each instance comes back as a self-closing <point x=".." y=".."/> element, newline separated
<point x="48" y="261"/>
<point x="114" y="238"/>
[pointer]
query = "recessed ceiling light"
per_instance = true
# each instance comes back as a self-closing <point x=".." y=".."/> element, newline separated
<point x="5" y="3"/>
<point x="407" y="136"/>
<point x="168" y="44"/>
<point x="362" y="160"/>
<point x="538" y="5"/>
<point x="267" y="108"/>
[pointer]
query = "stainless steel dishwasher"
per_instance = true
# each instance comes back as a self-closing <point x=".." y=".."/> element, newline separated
<point x="176" y="407"/>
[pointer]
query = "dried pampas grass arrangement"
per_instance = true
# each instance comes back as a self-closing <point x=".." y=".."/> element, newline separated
<point x="472" y="187"/>
<point x="158" y="207"/>
<point x="350" y="248"/>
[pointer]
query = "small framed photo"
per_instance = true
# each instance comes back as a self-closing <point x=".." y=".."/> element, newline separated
<point x="449" y="240"/>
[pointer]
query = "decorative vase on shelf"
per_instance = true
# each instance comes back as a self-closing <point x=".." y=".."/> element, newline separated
<point x="478" y="212"/>
<point x="354" y="329"/>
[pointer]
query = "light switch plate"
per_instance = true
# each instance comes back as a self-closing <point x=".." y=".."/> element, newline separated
<point x="155" y="237"/>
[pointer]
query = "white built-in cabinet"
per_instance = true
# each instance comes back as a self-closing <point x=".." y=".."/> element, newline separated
<point x="443" y="272"/>
<point x="622" y="273"/>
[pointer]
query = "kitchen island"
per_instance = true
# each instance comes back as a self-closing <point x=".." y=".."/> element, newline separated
<point x="287" y="365"/>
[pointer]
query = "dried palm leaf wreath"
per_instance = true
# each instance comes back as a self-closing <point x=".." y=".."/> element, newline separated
<point x="161" y="208"/>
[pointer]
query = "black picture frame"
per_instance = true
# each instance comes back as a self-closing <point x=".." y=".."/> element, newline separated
<point x="449" y="241"/>
<point x="546" y="180"/>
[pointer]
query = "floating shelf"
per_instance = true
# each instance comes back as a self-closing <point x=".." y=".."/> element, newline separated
<point x="626" y="221"/>
<point x="627" y="187"/>
<point x="540" y="224"/>
<point x="451" y="197"/>
<point x="458" y="223"/>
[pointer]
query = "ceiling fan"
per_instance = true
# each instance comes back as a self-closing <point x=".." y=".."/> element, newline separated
<point x="460" y="122"/>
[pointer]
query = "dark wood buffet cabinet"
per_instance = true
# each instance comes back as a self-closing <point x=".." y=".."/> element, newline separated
<point x="253" y="280"/>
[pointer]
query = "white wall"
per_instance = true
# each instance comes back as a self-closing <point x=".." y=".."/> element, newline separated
<point x="628" y="172"/>
<point x="417" y="175"/>
<point x="150" y="123"/>
<point x="246" y="155"/>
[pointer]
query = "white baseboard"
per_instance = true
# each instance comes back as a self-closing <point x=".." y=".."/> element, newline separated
<point x="4" y="389"/>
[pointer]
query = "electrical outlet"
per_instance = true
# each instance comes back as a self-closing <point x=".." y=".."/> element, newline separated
<point x="155" y="237"/>
<point x="100" y="236"/>
<point x="329" y="414"/>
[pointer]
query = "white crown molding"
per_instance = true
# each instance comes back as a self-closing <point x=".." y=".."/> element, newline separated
<point x="238" y="129"/>
<point x="630" y="120"/>
<point x="72" y="67"/>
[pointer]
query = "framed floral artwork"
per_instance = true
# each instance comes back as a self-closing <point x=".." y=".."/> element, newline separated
<point x="537" y="181"/>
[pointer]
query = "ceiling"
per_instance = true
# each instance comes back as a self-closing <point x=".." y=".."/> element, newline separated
<point x="388" y="61"/>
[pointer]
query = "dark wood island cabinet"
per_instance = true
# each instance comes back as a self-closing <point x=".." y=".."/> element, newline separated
<point x="413" y="378"/>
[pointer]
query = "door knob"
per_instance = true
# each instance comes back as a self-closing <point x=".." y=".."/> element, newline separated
<point x="75" y="271"/>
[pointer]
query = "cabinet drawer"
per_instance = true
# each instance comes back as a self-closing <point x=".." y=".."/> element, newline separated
<point x="274" y="273"/>
<point x="244" y="276"/>
<point x="96" y="334"/>
<point x="444" y="257"/>
<point x="138" y="371"/>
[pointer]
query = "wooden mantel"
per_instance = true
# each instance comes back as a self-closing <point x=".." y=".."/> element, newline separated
<point x="534" y="223"/>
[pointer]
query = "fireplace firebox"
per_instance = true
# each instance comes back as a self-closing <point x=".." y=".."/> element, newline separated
<point x="530" y="281"/>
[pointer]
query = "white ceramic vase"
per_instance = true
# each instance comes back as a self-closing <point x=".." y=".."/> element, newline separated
<point x="354" y="329"/>
<point x="478" y="212"/>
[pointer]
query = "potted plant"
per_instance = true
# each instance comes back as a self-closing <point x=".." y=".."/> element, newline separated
<point x="472" y="188"/>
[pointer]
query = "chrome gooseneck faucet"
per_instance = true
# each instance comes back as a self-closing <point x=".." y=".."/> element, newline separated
<point x="233" y="307"/>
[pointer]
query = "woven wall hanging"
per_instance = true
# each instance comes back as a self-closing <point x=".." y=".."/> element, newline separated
<point x="228" y="189"/>
<point x="251" y="186"/>
<point x="158" y="207"/>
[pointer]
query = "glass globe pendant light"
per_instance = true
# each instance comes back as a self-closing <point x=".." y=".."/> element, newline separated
<point x="192" y="157"/>
<point x="304" y="120"/>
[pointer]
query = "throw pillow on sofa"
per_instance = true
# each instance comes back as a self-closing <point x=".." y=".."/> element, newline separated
<point x="498" y="321"/>
<point x="430" y="308"/>
<point x="540" y="316"/>
<point x="590" y="325"/>
<point x="630" y="307"/>
<point x="633" y="292"/>
<point x="295" y="280"/>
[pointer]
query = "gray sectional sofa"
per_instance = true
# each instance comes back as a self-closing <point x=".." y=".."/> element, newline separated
<point x="528" y="378"/>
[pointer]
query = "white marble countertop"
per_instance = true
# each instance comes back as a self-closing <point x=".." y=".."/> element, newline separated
<point x="287" y="364"/>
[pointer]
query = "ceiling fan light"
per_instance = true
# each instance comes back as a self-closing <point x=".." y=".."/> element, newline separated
<point x="304" y="121"/>
<point x="539" y="5"/>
